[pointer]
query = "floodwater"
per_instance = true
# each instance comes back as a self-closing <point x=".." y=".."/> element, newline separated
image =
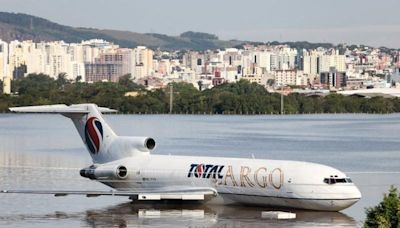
<point x="45" y="152"/>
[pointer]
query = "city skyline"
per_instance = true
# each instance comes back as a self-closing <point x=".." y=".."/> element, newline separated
<point x="268" y="65"/>
<point x="352" y="22"/>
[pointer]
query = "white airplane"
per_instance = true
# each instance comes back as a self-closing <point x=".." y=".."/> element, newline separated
<point x="127" y="166"/>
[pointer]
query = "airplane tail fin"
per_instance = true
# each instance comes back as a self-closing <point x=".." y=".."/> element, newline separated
<point x="96" y="134"/>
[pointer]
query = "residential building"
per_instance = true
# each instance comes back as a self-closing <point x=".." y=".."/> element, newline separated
<point x="3" y="60"/>
<point x="333" y="79"/>
<point x="290" y="77"/>
<point x="144" y="62"/>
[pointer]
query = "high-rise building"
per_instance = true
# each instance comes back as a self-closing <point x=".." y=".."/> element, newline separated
<point x="327" y="61"/>
<point x="95" y="72"/>
<point x="3" y="60"/>
<point x="333" y="78"/>
<point x="144" y="62"/>
<point x="284" y="59"/>
<point x="15" y="59"/>
<point x="110" y="66"/>
<point x="37" y="60"/>
<point x="7" y="85"/>
<point x="288" y="77"/>
<point x="78" y="70"/>
<point x="315" y="62"/>
<point x="311" y="63"/>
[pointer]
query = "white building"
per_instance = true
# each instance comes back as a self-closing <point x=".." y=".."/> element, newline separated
<point x="317" y="61"/>
<point x="144" y="62"/>
<point x="3" y="59"/>
<point x="311" y="63"/>
<point x="290" y="77"/>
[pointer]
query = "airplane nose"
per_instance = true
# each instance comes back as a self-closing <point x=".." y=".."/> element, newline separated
<point x="356" y="192"/>
<point x="352" y="196"/>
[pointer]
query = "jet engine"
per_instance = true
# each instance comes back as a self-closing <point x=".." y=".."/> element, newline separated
<point x="105" y="172"/>
<point x="125" y="146"/>
<point x="142" y="143"/>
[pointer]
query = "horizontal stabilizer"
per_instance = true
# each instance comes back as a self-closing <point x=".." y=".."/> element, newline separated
<point x="60" y="108"/>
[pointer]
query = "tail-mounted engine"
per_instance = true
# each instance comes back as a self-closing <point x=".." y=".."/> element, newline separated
<point x="124" y="146"/>
<point x="142" y="144"/>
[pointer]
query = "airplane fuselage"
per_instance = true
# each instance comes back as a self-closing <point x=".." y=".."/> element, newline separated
<point x="270" y="183"/>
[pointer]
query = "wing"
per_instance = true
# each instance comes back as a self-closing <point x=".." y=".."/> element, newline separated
<point x="154" y="194"/>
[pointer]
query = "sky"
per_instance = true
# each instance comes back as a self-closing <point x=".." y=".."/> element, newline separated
<point x="370" y="22"/>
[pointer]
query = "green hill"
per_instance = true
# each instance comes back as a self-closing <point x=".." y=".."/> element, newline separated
<point x="17" y="26"/>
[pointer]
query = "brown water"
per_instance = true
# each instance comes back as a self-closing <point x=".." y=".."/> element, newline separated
<point x="45" y="152"/>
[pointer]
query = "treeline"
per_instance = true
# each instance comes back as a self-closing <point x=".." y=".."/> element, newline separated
<point x="234" y="98"/>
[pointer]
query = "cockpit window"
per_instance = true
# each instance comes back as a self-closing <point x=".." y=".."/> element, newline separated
<point x="348" y="180"/>
<point x="334" y="180"/>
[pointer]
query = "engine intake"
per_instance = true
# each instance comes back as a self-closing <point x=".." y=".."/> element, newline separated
<point x="122" y="172"/>
<point x="150" y="143"/>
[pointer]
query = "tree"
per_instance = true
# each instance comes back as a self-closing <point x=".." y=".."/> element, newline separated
<point x="200" y="84"/>
<point x="270" y="82"/>
<point x="62" y="79"/>
<point x="35" y="85"/>
<point x="333" y="103"/>
<point x="185" y="97"/>
<point x="78" y="78"/>
<point x="240" y="97"/>
<point x="199" y="35"/>
<point x="387" y="213"/>
<point x="126" y="82"/>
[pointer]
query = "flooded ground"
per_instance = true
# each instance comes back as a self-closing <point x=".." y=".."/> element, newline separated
<point x="45" y="152"/>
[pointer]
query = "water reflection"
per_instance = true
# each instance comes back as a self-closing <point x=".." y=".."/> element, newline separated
<point x="198" y="215"/>
<point x="182" y="215"/>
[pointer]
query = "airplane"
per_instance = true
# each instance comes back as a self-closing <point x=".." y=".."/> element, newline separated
<point x="127" y="165"/>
